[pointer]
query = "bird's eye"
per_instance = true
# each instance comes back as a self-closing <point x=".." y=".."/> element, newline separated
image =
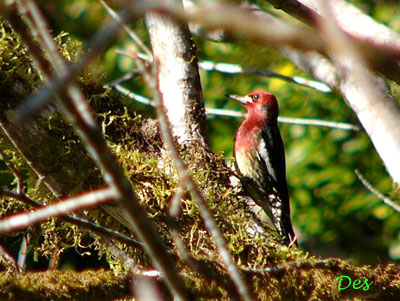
<point x="255" y="97"/>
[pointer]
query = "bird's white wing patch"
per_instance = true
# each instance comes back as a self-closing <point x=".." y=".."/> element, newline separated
<point x="263" y="153"/>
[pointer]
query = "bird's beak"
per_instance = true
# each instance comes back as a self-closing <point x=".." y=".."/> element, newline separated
<point x="242" y="99"/>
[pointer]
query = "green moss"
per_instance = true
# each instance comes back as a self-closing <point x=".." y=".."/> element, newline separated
<point x="18" y="77"/>
<point x="63" y="285"/>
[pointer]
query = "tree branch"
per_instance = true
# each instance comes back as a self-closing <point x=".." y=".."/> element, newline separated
<point x="371" y="188"/>
<point x="178" y="75"/>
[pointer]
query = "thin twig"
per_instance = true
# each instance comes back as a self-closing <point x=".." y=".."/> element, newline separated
<point x="16" y="173"/>
<point x="237" y="69"/>
<point x="135" y="55"/>
<point x="124" y="258"/>
<point x="23" y="251"/>
<point x="385" y="199"/>
<point x="137" y="97"/>
<point x="86" y="200"/>
<point x="280" y="270"/>
<point x="130" y="33"/>
<point x="290" y="120"/>
<point x="99" y="230"/>
<point x="9" y="133"/>
<point x="9" y="261"/>
<point x="122" y="79"/>
<point x="176" y="200"/>
<point x="322" y="123"/>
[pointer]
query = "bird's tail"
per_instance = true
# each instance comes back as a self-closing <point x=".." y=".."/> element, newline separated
<point x="280" y="217"/>
<point x="286" y="231"/>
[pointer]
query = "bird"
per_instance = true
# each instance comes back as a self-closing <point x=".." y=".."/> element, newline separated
<point x="260" y="160"/>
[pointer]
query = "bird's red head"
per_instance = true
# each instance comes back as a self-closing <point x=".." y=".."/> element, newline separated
<point x="259" y="103"/>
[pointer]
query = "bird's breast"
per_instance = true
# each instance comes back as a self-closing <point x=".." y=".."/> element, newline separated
<point x="245" y="162"/>
<point x="245" y="151"/>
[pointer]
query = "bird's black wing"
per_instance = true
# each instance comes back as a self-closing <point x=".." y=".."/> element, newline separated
<point x="272" y="154"/>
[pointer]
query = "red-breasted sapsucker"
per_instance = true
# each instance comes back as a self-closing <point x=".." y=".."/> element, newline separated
<point x="260" y="160"/>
